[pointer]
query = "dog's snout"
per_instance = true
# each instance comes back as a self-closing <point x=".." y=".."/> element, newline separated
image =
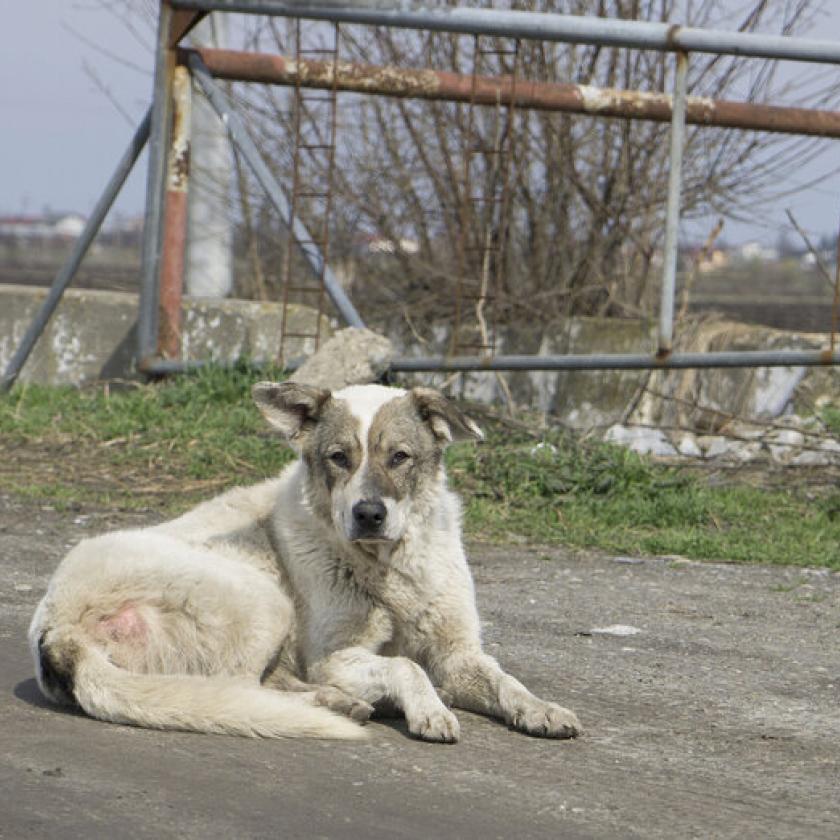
<point x="369" y="516"/>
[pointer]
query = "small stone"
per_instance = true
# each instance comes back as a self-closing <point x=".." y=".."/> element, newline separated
<point x="688" y="447"/>
<point x="642" y="440"/>
<point x="810" y="458"/>
<point x="786" y="437"/>
<point x="713" y="445"/>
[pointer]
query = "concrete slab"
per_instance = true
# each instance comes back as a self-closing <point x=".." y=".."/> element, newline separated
<point x="720" y="718"/>
<point x="92" y="333"/>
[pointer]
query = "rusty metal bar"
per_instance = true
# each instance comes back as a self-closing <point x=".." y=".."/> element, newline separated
<point x="182" y="23"/>
<point x="175" y="219"/>
<point x="541" y="96"/>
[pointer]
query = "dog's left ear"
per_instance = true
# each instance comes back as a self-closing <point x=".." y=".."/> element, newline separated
<point x="290" y="408"/>
<point x="448" y="423"/>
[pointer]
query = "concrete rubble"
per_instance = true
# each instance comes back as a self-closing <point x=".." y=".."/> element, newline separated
<point x="791" y="440"/>
<point x="353" y="356"/>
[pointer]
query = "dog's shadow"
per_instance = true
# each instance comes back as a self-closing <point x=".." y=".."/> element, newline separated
<point x="29" y="693"/>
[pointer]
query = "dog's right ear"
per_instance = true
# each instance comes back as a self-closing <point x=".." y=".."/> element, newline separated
<point x="290" y="408"/>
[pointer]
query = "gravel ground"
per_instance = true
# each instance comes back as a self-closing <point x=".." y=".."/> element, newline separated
<point x="719" y="718"/>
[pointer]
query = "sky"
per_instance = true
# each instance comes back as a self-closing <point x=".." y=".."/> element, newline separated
<point x="75" y="80"/>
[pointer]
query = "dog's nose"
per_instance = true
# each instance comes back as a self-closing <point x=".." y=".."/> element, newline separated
<point x="369" y="515"/>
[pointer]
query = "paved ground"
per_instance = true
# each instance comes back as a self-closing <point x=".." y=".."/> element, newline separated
<point x="720" y="719"/>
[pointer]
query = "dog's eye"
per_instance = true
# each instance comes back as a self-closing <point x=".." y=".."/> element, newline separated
<point x="340" y="459"/>
<point x="399" y="458"/>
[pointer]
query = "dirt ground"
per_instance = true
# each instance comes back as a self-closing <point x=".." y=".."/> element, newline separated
<point x="720" y="718"/>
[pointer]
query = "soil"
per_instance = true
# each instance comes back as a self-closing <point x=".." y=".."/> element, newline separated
<point x="719" y="718"/>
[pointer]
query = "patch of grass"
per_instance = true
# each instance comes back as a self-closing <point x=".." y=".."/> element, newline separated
<point x="597" y="495"/>
<point x="199" y="426"/>
<point x="170" y="444"/>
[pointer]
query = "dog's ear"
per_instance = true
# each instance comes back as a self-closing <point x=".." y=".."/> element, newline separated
<point x="290" y="408"/>
<point x="447" y="422"/>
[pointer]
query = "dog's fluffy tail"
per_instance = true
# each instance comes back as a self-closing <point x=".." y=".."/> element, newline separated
<point x="76" y="670"/>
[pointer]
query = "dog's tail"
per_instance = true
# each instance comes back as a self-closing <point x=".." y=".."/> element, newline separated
<point x="72" y="669"/>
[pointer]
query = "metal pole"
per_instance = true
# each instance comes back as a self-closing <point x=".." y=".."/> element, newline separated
<point x="68" y="270"/>
<point x="431" y="84"/>
<point x="605" y="361"/>
<point x="672" y="217"/>
<point x="622" y="361"/>
<point x="543" y="26"/>
<point x="246" y="146"/>
<point x="175" y="219"/>
<point x="147" y="316"/>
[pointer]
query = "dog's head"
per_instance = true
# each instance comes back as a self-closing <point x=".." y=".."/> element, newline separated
<point x="374" y="454"/>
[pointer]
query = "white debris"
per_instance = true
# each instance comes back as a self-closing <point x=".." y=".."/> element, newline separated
<point x="642" y="440"/>
<point x="615" y="630"/>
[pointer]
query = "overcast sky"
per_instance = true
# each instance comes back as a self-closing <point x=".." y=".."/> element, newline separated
<point x="62" y="133"/>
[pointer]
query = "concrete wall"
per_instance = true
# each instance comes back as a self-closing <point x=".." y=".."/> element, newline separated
<point x="92" y="333"/>
<point x="91" y="336"/>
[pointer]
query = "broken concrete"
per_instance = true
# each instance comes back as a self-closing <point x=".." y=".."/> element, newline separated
<point x="353" y="356"/>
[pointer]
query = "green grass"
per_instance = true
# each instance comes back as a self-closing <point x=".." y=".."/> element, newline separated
<point x="601" y="496"/>
<point x="197" y="434"/>
<point x="202" y="426"/>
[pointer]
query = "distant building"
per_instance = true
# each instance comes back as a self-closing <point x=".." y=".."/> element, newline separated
<point x="383" y="245"/>
<point x="756" y="252"/>
<point x="53" y="227"/>
<point x="714" y="261"/>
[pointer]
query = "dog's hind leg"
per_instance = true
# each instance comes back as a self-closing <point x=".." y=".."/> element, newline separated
<point x="140" y="628"/>
<point x="329" y="696"/>
<point x="396" y="680"/>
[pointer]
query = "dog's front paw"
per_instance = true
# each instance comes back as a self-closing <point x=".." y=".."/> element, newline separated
<point x="439" y="725"/>
<point x="545" y="720"/>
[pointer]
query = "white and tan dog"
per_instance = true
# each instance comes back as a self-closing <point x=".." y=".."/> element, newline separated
<point x="271" y="609"/>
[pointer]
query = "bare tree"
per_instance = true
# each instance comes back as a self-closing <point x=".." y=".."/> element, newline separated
<point x="552" y="214"/>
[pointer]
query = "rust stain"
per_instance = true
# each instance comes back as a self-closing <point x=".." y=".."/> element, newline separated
<point x="671" y="35"/>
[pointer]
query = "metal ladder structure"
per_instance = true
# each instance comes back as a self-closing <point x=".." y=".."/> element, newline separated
<point x="315" y="120"/>
<point x="482" y="263"/>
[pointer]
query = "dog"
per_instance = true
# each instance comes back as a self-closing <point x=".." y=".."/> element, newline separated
<point x="297" y="606"/>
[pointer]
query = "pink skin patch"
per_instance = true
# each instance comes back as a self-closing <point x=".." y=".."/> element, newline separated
<point x="127" y="625"/>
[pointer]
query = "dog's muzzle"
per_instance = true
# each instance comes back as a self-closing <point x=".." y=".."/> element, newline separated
<point x="368" y="520"/>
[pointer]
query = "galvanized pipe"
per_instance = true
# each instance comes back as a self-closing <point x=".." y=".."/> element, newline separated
<point x="672" y="212"/>
<point x="68" y="270"/>
<point x="543" y="26"/>
<point x="246" y="146"/>
<point x="622" y="361"/>
<point x="597" y="361"/>
<point x="147" y="316"/>
<point x="490" y="90"/>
